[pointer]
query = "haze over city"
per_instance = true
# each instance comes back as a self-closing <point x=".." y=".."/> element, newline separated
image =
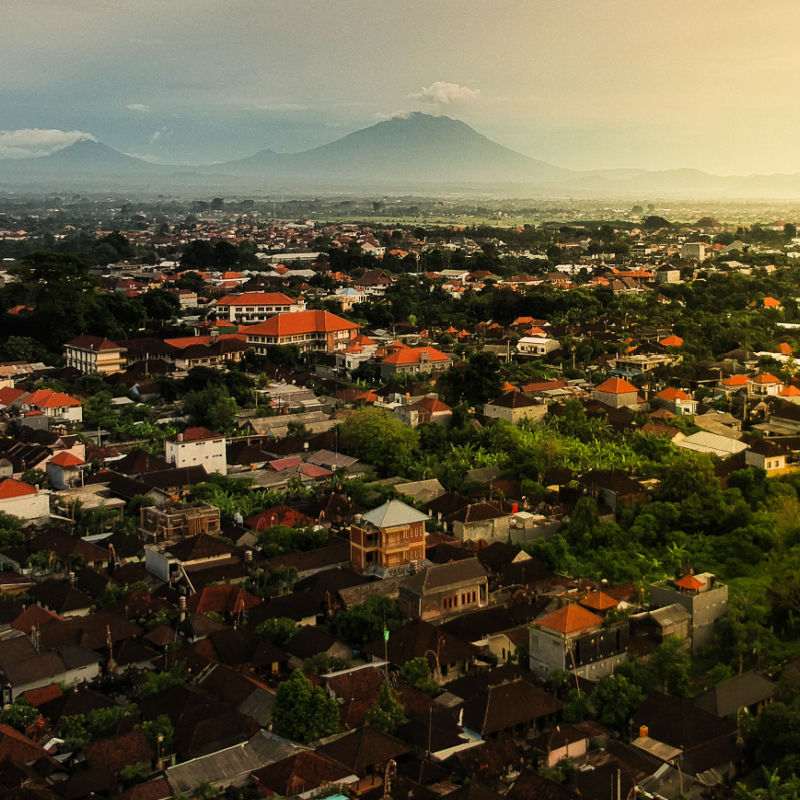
<point x="579" y="84"/>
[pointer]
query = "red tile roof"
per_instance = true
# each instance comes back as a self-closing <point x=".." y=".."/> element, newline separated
<point x="672" y="341"/>
<point x="570" y="619"/>
<point x="256" y="299"/>
<point x="292" y="324"/>
<point x="671" y="393"/>
<point x="11" y="488"/>
<point x="414" y="355"/>
<point x="764" y="378"/>
<point x="616" y="386"/>
<point x="599" y="601"/>
<point x="65" y="459"/>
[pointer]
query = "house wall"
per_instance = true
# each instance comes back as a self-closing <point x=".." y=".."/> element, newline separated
<point x="624" y="400"/>
<point x="514" y="415"/>
<point x="209" y="453"/>
<point x="484" y="529"/>
<point x="69" y="678"/>
<point x="28" y="507"/>
<point x="705" y="607"/>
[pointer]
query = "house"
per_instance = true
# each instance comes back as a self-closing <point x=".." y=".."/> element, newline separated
<point x="24" y="501"/>
<point x="170" y="559"/>
<point x="674" y="727"/>
<point x="483" y="520"/>
<point x="389" y="537"/>
<point x="747" y="692"/>
<point x="766" y="455"/>
<point x="197" y="447"/>
<point x="537" y="345"/>
<point x="251" y="307"/>
<point x="614" y="488"/>
<point x="449" y="657"/>
<point x="765" y="384"/>
<point x="575" y="640"/>
<point x="514" y="406"/>
<point x="445" y="589"/>
<point x="617" y="393"/>
<point x="677" y="401"/>
<point x="94" y="355"/>
<point x="414" y="361"/>
<point x="712" y="443"/>
<point x="308" y="330"/>
<point x="174" y="520"/>
<point x="55" y="405"/>
<point x="701" y="595"/>
<point x="301" y="773"/>
<point x="64" y="470"/>
<point x="514" y="707"/>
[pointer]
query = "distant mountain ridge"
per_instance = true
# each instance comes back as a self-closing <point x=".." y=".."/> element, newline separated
<point x="417" y="152"/>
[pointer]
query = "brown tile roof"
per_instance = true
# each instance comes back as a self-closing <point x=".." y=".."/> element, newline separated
<point x="116" y="752"/>
<point x="363" y="748"/>
<point x="299" y="773"/>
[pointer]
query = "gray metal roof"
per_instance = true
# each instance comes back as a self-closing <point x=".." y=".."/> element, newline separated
<point x="394" y="513"/>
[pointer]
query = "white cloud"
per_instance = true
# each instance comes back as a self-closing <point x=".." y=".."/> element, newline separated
<point x="382" y="117"/>
<point x="446" y="93"/>
<point x="278" y="107"/>
<point x="160" y="135"/>
<point x="139" y="108"/>
<point x="29" y="142"/>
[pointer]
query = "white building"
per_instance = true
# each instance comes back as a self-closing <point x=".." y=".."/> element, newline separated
<point x="197" y="447"/>
<point x="537" y="345"/>
<point x="24" y="501"/>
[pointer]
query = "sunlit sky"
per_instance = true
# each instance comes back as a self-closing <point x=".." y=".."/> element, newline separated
<point x="710" y="84"/>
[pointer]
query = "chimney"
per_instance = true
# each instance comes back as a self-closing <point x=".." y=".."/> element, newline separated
<point x="180" y="437"/>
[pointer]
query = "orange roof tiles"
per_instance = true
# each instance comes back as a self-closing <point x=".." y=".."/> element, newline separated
<point x="671" y="393"/>
<point x="771" y="302"/>
<point x="785" y="349"/>
<point x="616" y="386"/>
<point x="65" y="459"/>
<point x="292" y="324"/>
<point x="10" y="488"/>
<point x="570" y="619"/>
<point x="672" y="341"/>
<point x="735" y="380"/>
<point x="764" y="378"/>
<point x="414" y="355"/>
<point x="599" y="601"/>
<point x="256" y="299"/>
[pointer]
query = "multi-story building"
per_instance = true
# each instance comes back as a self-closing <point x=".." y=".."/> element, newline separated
<point x="197" y="447"/>
<point x="173" y="520"/>
<point x="617" y="393"/>
<point x="251" y="307"/>
<point x="389" y="537"/>
<point x="445" y="589"/>
<point x="575" y="640"/>
<point x="94" y="355"/>
<point x="701" y="595"/>
<point x="308" y="330"/>
<point x="414" y="360"/>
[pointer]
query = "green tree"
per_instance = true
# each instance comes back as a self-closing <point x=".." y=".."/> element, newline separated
<point x="366" y="621"/>
<point x="417" y="672"/>
<point x="19" y="715"/>
<point x="375" y="436"/>
<point x="386" y="713"/>
<point x="671" y="663"/>
<point x="301" y="713"/>
<point x="615" y="700"/>
<point x="278" y="630"/>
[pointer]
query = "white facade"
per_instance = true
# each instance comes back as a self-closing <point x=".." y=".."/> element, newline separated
<point x="208" y="453"/>
<point x="29" y="507"/>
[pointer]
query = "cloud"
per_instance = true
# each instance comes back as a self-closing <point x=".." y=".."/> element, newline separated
<point x="139" y="108"/>
<point x="382" y="117"/>
<point x="446" y="93"/>
<point x="29" y="142"/>
<point x="160" y="135"/>
<point x="278" y="107"/>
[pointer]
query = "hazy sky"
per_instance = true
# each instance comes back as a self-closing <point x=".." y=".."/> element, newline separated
<point x="711" y="84"/>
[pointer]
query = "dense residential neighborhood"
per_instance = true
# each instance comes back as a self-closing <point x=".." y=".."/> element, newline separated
<point x="360" y="509"/>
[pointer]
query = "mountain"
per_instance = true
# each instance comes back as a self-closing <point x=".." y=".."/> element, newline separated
<point x="418" y="148"/>
<point x="85" y="158"/>
<point x="416" y="153"/>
